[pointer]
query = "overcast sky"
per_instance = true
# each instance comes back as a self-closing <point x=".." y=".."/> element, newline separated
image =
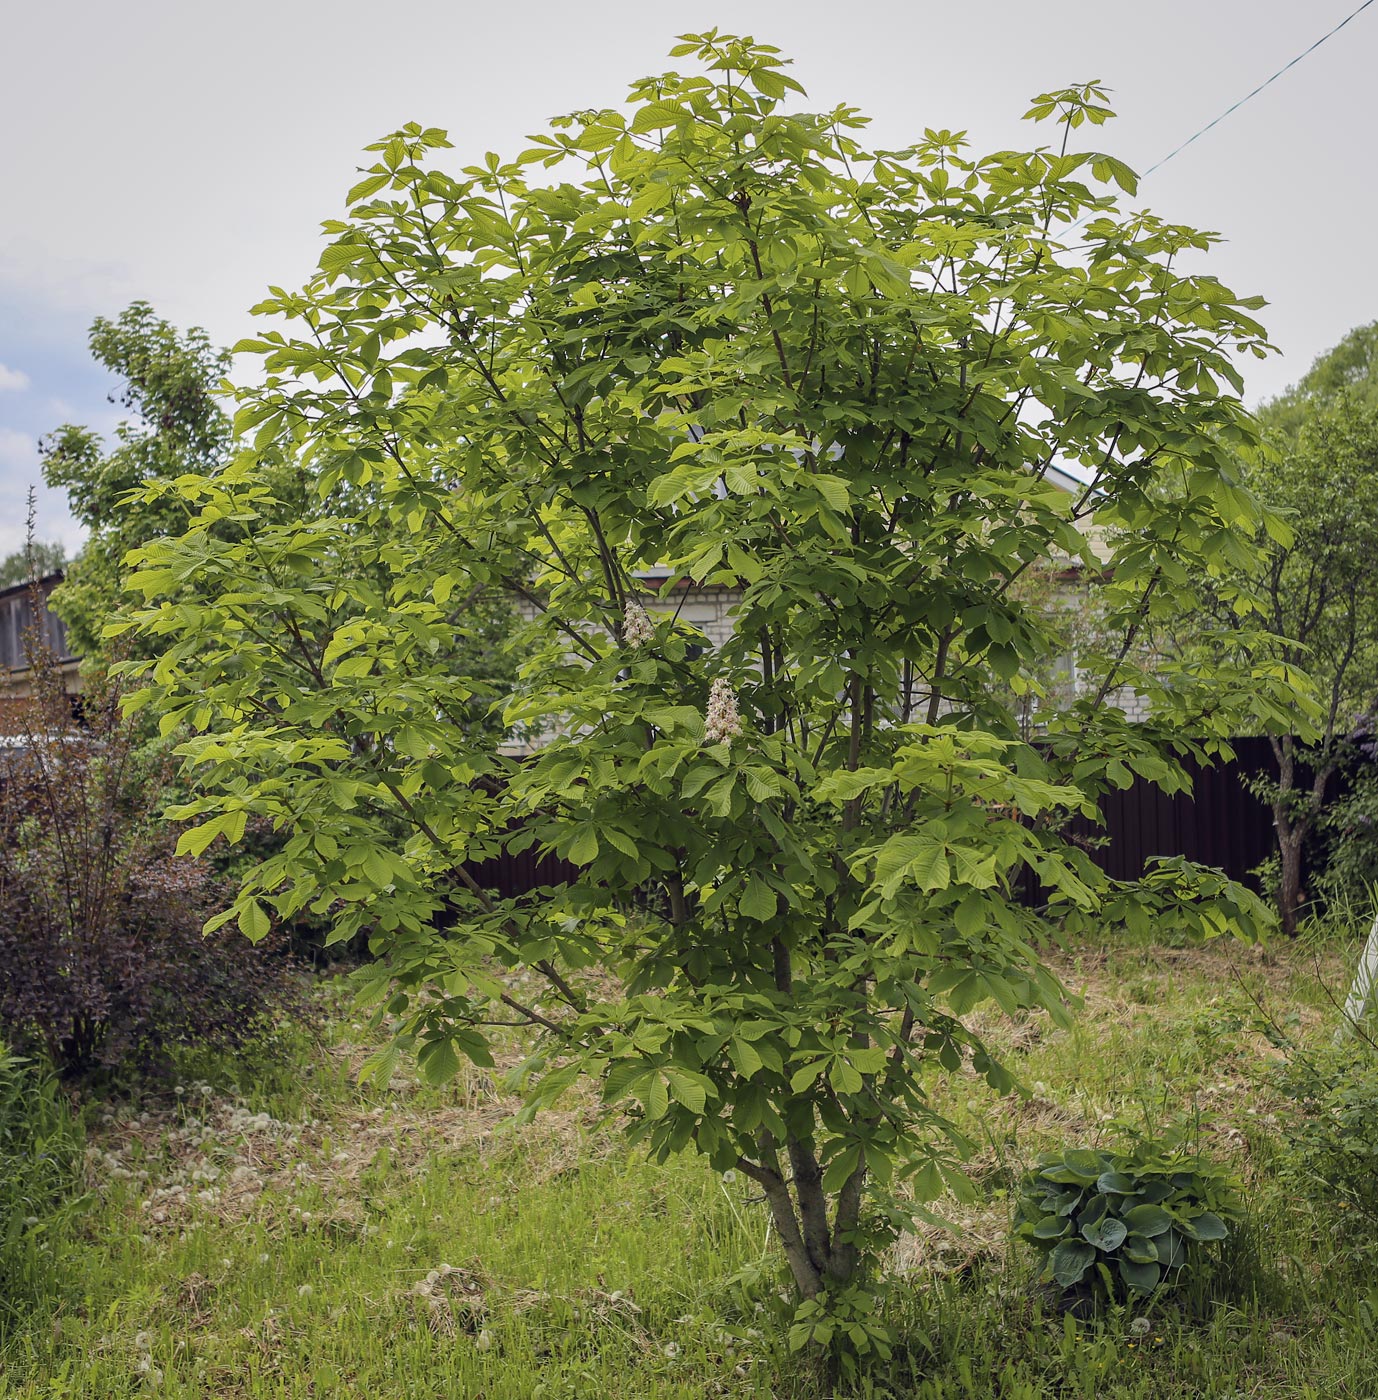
<point x="185" y="153"/>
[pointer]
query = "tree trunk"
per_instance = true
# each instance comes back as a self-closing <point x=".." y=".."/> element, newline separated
<point x="1291" y="824"/>
<point x="1289" y="886"/>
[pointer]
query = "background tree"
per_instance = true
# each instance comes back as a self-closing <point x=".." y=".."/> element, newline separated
<point x="45" y="557"/>
<point x="721" y="337"/>
<point x="169" y="379"/>
<point x="1318" y="591"/>
<point x="1349" y="368"/>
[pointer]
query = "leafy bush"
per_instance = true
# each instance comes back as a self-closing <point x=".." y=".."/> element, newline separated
<point x="1112" y="1224"/>
<point x="102" y="960"/>
<point x="40" y="1154"/>
<point x="1332" y="1137"/>
<point x="1349" y="828"/>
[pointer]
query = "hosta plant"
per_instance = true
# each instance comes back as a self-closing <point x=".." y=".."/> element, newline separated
<point x="1117" y="1224"/>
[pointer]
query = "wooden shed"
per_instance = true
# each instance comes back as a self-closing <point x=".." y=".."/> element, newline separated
<point x="16" y="618"/>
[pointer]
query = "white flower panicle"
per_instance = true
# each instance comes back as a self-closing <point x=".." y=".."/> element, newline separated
<point x="637" y="626"/>
<point x="722" y="723"/>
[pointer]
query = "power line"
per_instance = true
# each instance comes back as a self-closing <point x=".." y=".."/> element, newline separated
<point x="1178" y="150"/>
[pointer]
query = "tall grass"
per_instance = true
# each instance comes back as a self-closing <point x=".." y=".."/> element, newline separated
<point x="40" y="1162"/>
<point x="404" y="1242"/>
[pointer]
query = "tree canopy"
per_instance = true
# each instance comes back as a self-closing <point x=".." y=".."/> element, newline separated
<point x="1317" y="590"/>
<point x="715" y="335"/>
<point x="177" y="426"/>
<point x="1349" y="369"/>
<point x="39" y="558"/>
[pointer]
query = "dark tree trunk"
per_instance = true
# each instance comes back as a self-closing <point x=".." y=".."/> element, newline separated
<point x="1289" y="884"/>
<point x="1292" y="823"/>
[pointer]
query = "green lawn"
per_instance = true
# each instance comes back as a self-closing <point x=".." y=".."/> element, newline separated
<point x="283" y="1232"/>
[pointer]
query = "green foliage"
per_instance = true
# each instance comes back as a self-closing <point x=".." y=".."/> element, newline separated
<point x="1180" y="901"/>
<point x="40" y="1165"/>
<point x="1348" y="829"/>
<point x="1314" y="590"/>
<point x="1348" y="369"/>
<point x="177" y="426"/>
<point x="1120" y="1224"/>
<point x="715" y="337"/>
<point x="1332" y="1139"/>
<point x="36" y="560"/>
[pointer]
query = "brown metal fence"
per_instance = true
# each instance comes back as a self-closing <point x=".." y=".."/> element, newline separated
<point x="509" y="875"/>
<point x="1219" y="823"/>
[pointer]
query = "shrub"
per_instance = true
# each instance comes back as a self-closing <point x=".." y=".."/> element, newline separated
<point x="1332" y="1137"/>
<point x="1349" y="829"/>
<point x="40" y="1154"/>
<point x="1116" y="1224"/>
<point x="102" y="961"/>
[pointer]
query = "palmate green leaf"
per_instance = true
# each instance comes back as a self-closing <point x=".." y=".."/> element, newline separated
<point x="195" y="840"/>
<point x="844" y="785"/>
<point x="380" y="1065"/>
<point x="656" y="1097"/>
<point x="620" y="1079"/>
<point x="377" y="867"/>
<point x="688" y="1089"/>
<point x="917" y="859"/>
<point x="583" y="850"/>
<point x="654" y="116"/>
<point x="973" y="867"/>
<point x="340" y="256"/>
<point x="412" y="742"/>
<point x="746" y="1059"/>
<point x="842" y="1165"/>
<point x="370" y="184"/>
<point x="438" y="1061"/>
<point x="845" y="1077"/>
<point x="758" y="901"/>
<point x="253" y="920"/>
